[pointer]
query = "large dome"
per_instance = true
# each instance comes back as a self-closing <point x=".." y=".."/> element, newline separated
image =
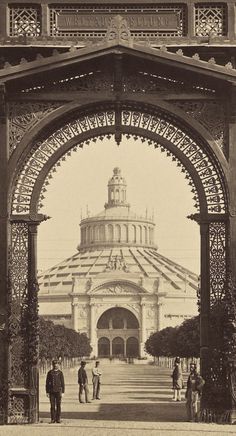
<point x="117" y="271"/>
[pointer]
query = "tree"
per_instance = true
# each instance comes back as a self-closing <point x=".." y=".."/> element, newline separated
<point x="57" y="340"/>
<point x="161" y="343"/>
<point x="183" y="341"/>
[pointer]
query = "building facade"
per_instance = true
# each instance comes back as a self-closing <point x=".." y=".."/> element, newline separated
<point x="117" y="288"/>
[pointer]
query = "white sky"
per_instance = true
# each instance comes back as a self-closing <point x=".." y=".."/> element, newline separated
<point x="153" y="182"/>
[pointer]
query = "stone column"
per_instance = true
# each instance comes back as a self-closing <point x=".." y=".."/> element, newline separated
<point x="75" y="313"/>
<point x="143" y="328"/>
<point x="160" y="320"/>
<point x="125" y="340"/>
<point x="93" y="339"/>
<point x="110" y="340"/>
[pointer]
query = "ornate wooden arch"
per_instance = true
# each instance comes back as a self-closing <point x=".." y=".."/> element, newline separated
<point x="159" y="127"/>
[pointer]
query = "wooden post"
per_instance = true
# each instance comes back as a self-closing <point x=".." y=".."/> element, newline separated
<point x="4" y="227"/>
<point x="204" y="298"/>
<point x="33" y="320"/>
<point x="232" y="216"/>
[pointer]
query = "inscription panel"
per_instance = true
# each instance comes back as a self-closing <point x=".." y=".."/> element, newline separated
<point x="161" y="20"/>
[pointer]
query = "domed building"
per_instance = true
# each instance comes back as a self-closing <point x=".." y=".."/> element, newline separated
<point x="117" y="288"/>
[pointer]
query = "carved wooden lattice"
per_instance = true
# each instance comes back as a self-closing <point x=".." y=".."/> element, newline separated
<point x="18" y="304"/>
<point x="211" y="115"/>
<point x="25" y="21"/>
<point x="18" y="412"/>
<point x="23" y="116"/>
<point x="170" y="130"/>
<point x="161" y="125"/>
<point x="210" y="19"/>
<point x="103" y="17"/>
<point x="47" y="148"/>
<point x="218" y="273"/>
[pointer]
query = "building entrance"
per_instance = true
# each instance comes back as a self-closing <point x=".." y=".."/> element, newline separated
<point x="118" y="332"/>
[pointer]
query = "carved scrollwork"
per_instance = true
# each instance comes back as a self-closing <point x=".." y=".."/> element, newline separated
<point x="23" y="116"/>
<point x="211" y="115"/>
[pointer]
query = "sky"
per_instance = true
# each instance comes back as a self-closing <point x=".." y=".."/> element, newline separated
<point x="153" y="182"/>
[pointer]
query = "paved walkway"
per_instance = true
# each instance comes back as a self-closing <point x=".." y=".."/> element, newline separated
<point x="135" y="400"/>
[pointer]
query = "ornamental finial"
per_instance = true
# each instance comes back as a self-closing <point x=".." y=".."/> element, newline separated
<point x="118" y="31"/>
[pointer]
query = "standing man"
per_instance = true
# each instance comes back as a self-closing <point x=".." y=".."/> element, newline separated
<point x="55" y="388"/>
<point x="177" y="378"/>
<point x="195" y="385"/>
<point x="83" y="383"/>
<point x="96" y="373"/>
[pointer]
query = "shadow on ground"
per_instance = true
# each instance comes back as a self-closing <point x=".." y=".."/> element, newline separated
<point x="174" y="412"/>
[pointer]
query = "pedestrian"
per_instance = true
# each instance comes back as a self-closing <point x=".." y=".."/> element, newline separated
<point x="195" y="385"/>
<point x="96" y="374"/>
<point x="83" y="383"/>
<point x="55" y="388"/>
<point x="177" y="378"/>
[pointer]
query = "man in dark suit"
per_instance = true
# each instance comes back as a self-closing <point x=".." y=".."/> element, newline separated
<point x="55" y="388"/>
<point x="83" y="383"/>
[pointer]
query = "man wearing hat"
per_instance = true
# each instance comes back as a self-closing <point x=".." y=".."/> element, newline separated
<point x="83" y="383"/>
<point x="177" y="378"/>
<point x="55" y="388"/>
<point x="96" y="373"/>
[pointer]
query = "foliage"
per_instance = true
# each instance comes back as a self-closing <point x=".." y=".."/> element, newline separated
<point x="59" y="341"/>
<point x="183" y="341"/>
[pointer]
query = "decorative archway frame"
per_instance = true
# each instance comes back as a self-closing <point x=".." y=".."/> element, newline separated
<point x="37" y="154"/>
<point x="157" y="125"/>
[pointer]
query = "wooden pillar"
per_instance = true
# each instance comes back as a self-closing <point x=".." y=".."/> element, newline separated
<point x="204" y="297"/>
<point x="232" y="224"/>
<point x="3" y="20"/>
<point x="45" y="20"/>
<point x="231" y="21"/>
<point x="33" y="340"/>
<point x="232" y="181"/>
<point x="4" y="227"/>
<point x="190" y="22"/>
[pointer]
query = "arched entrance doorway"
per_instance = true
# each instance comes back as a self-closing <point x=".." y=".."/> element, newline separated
<point x="118" y="325"/>
<point x="118" y="347"/>
<point x="167" y="122"/>
<point x="132" y="347"/>
<point x="103" y="347"/>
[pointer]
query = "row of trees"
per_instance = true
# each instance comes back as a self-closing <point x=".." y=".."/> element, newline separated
<point x="183" y="341"/>
<point x="57" y="340"/>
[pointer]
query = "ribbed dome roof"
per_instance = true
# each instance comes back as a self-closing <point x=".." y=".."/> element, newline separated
<point x="144" y="261"/>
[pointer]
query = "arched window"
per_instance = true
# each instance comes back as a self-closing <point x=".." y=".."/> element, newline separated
<point x="110" y="232"/>
<point x="102" y="233"/>
<point x="146" y="235"/>
<point x="117" y="232"/>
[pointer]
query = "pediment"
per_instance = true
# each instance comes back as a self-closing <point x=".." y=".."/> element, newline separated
<point x="116" y="289"/>
<point x="98" y="57"/>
